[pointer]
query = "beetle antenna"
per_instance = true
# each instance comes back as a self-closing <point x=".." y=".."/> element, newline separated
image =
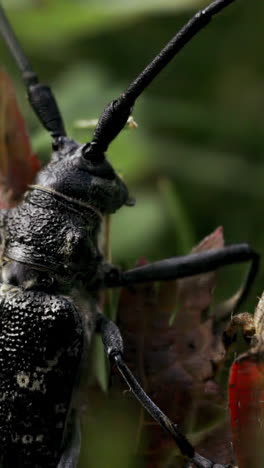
<point x="40" y="96"/>
<point x="115" y="115"/>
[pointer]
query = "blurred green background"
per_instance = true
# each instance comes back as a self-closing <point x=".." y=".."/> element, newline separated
<point x="196" y="160"/>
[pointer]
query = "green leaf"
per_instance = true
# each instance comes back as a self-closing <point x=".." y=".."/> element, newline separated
<point x="177" y="216"/>
<point x="99" y="372"/>
<point x="136" y="229"/>
<point x="64" y="18"/>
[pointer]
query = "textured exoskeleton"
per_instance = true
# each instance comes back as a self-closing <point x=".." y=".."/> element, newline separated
<point x="41" y="346"/>
<point x="50" y="246"/>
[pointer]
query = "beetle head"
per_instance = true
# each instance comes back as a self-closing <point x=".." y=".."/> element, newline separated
<point x="84" y="175"/>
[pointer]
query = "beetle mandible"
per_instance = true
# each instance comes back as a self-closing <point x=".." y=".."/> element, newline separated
<point x="52" y="271"/>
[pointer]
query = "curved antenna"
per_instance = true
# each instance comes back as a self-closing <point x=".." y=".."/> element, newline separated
<point x="117" y="112"/>
<point x="40" y="96"/>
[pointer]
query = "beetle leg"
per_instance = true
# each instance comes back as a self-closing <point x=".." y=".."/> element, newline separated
<point x="113" y="345"/>
<point x="190" y="265"/>
<point x="71" y="453"/>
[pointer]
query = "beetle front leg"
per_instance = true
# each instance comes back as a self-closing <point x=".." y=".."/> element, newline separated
<point x="190" y="265"/>
<point x="113" y="344"/>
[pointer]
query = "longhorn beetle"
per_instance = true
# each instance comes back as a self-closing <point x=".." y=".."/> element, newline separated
<point x="53" y="270"/>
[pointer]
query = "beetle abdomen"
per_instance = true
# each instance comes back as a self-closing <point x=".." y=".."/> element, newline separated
<point x="41" y="345"/>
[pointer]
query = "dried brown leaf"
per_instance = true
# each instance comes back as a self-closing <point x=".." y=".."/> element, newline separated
<point x="18" y="164"/>
<point x="176" y="363"/>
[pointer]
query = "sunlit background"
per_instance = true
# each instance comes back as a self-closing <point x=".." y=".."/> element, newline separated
<point x="196" y="159"/>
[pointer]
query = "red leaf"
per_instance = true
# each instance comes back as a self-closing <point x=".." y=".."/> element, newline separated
<point x="18" y="165"/>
